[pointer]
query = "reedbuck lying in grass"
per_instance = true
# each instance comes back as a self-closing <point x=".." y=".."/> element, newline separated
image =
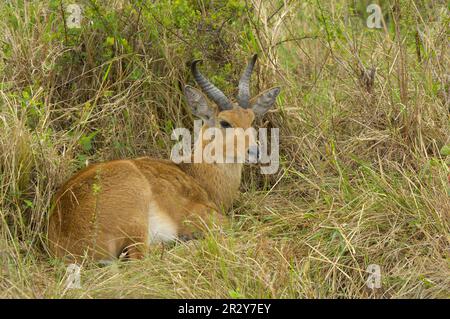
<point x="124" y="206"/>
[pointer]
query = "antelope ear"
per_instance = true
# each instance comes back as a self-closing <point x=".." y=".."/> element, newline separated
<point x="264" y="101"/>
<point x="199" y="105"/>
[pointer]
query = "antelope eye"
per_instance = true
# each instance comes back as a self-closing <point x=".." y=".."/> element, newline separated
<point x="225" y="124"/>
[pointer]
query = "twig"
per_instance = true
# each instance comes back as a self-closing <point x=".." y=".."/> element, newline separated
<point x="66" y="39"/>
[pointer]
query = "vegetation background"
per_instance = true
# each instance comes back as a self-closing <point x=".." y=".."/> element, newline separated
<point x="365" y="148"/>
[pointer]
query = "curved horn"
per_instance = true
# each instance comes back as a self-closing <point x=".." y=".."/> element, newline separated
<point x="243" y="96"/>
<point x="211" y="91"/>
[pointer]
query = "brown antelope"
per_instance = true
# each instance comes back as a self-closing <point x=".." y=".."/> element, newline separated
<point x="123" y="206"/>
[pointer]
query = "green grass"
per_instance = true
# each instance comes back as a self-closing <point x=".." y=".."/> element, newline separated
<point x="364" y="165"/>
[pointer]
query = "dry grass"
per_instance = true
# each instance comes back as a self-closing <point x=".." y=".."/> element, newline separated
<point x="364" y="154"/>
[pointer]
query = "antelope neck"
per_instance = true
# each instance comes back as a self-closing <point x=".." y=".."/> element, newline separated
<point x="220" y="180"/>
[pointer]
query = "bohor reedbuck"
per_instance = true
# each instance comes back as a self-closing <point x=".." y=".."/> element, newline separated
<point x="122" y="207"/>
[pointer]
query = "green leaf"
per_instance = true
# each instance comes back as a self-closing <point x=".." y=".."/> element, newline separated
<point x="110" y="41"/>
<point x="86" y="141"/>
<point x="235" y="294"/>
<point x="445" y="150"/>
<point x="28" y="203"/>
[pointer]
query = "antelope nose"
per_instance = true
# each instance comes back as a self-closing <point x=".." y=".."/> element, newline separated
<point x="253" y="153"/>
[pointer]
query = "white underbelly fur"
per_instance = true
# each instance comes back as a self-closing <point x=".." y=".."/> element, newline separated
<point x="161" y="227"/>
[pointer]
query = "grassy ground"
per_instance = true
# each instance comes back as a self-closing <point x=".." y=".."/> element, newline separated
<point x="364" y="123"/>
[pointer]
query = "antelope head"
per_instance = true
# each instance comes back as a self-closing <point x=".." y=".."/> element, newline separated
<point x="226" y="114"/>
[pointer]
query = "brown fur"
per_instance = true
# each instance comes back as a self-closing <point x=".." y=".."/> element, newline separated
<point x="104" y="208"/>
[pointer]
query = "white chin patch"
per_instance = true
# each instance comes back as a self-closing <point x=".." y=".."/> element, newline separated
<point x="161" y="228"/>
